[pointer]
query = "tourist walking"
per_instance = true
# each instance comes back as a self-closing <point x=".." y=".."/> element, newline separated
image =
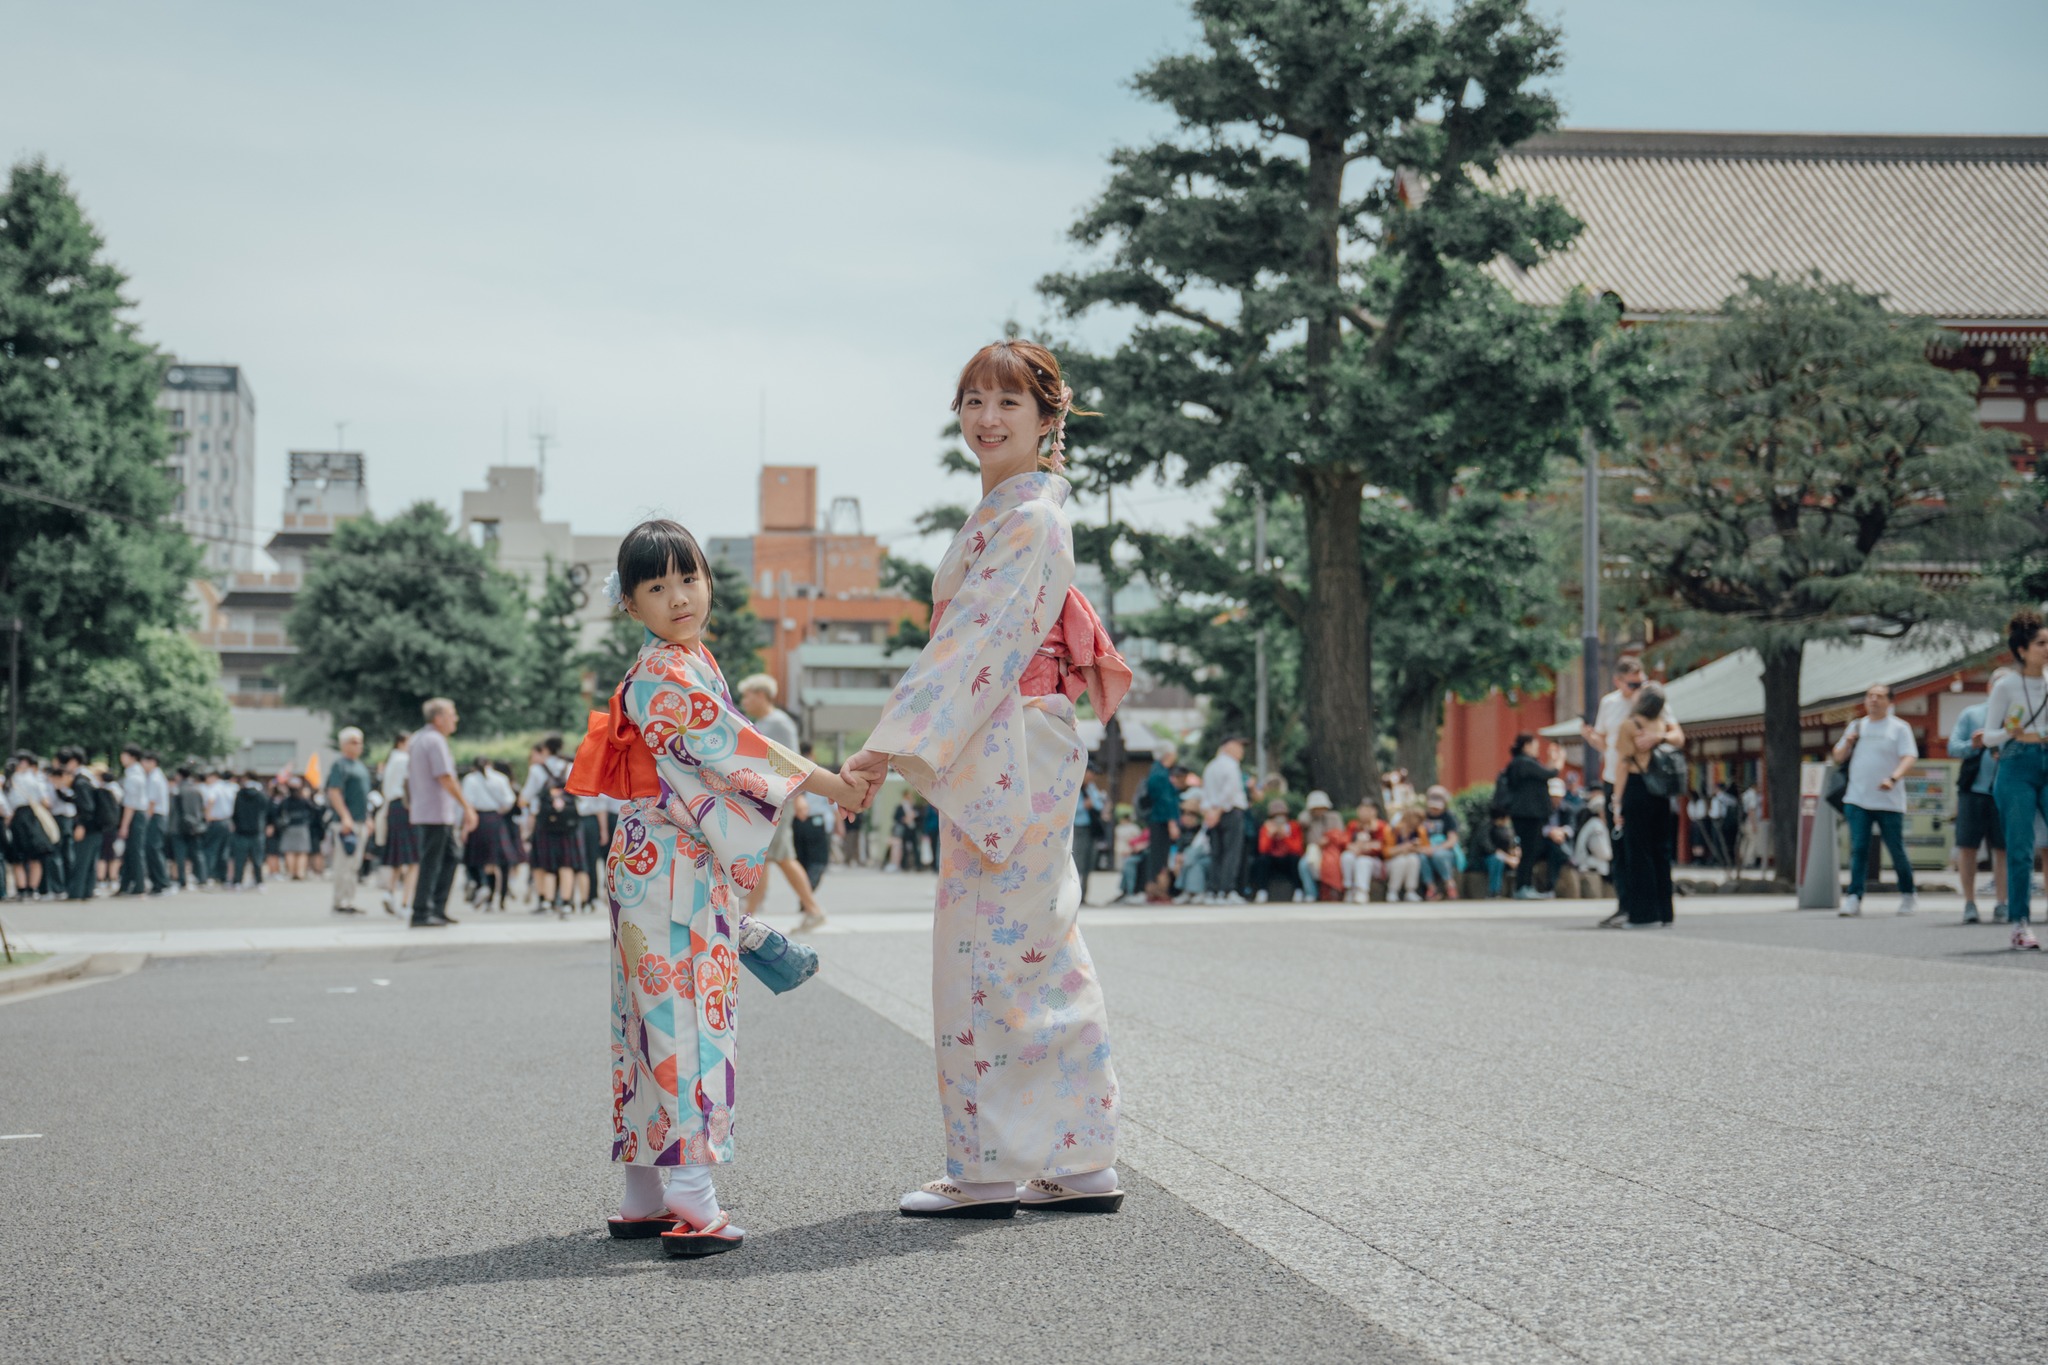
<point x="1159" y="808"/>
<point x="401" y="847"/>
<point x="1977" y="822"/>
<point x="1879" y="750"/>
<point x="2016" y="727"/>
<point x="983" y="725"/>
<point x="1643" y="830"/>
<point x="348" y="797"/>
<point x="439" y="812"/>
<point x="757" y="695"/>
<point x="1224" y="799"/>
<point x="1091" y="822"/>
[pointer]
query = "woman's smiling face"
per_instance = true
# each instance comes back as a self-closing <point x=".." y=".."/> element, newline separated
<point x="1003" y="427"/>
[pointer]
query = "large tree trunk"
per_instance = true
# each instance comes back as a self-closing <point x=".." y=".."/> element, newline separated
<point x="1418" y="719"/>
<point x="1781" y="758"/>
<point x="1336" y="654"/>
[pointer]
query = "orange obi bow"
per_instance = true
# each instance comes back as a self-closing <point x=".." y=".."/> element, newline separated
<point x="1077" y="656"/>
<point x="612" y="759"/>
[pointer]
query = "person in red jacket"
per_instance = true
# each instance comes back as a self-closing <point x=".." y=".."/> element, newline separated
<point x="1280" y="847"/>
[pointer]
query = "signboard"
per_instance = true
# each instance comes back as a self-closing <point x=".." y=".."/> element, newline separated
<point x="1930" y="813"/>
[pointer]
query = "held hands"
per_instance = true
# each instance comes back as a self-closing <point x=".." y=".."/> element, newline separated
<point x="863" y="774"/>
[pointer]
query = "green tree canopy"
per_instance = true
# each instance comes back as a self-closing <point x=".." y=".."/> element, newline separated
<point x="551" y="674"/>
<point x="163" y="694"/>
<point x="87" y="560"/>
<point x="394" y="612"/>
<point x="1806" y="473"/>
<point x="735" y="632"/>
<point x="1306" y="256"/>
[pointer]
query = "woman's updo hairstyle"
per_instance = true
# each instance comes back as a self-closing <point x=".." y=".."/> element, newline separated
<point x="1023" y="367"/>
<point x="2021" y="630"/>
<point x="1650" y="704"/>
<point x="654" y="549"/>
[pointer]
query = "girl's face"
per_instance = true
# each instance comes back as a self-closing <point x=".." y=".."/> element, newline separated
<point x="675" y="606"/>
<point x="1003" y="428"/>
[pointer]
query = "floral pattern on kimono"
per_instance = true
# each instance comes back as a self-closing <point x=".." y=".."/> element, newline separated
<point x="1022" y="1035"/>
<point x="679" y="866"/>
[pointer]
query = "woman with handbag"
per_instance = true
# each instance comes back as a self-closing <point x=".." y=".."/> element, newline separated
<point x="1643" y="826"/>
<point x="704" y="792"/>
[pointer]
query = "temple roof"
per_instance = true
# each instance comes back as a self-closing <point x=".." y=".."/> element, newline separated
<point x="1953" y="228"/>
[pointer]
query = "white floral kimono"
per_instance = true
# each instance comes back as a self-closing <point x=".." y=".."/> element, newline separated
<point x="1025" y="1080"/>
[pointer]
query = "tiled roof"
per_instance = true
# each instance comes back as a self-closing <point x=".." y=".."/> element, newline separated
<point x="1954" y="228"/>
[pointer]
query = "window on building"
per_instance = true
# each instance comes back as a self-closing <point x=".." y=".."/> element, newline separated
<point x="177" y="417"/>
<point x="205" y="473"/>
<point x="179" y="504"/>
<point x="205" y="418"/>
<point x="202" y="502"/>
<point x="203" y="447"/>
<point x="177" y="445"/>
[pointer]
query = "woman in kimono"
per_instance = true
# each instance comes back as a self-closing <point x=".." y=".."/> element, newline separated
<point x="703" y="792"/>
<point x="983" y="726"/>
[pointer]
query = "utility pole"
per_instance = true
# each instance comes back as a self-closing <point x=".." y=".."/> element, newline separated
<point x="1259" y="705"/>
<point x="341" y="435"/>
<point x="1112" y="728"/>
<point x="543" y="437"/>
<point x="1589" y="593"/>
<point x="14" y="686"/>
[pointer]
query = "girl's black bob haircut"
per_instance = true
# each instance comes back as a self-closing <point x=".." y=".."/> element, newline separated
<point x="656" y="548"/>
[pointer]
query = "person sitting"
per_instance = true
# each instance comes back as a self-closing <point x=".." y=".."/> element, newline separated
<point x="1593" y="849"/>
<point x="1443" y="860"/>
<point x="1280" y="848"/>
<point x="1404" y="857"/>
<point x="1498" y="848"/>
<point x="1322" y="859"/>
<point x="1365" y="861"/>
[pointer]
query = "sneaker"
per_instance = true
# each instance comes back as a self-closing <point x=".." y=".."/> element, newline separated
<point x="1259" y="899"/>
<point x="1412" y="897"/>
<point x="1851" y="907"/>
<point x="1970" y="913"/>
<point x="1908" y="903"/>
<point x="2023" y="938"/>
<point x="1999" y="914"/>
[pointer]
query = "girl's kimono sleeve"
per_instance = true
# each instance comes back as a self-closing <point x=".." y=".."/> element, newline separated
<point x="955" y="724"/>
<point x="720" y="776"/>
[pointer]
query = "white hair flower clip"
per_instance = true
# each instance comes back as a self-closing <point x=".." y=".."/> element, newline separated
<point x="613" y="592"/>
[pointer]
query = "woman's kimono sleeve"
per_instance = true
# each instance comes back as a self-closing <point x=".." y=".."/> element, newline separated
<point x="955" y="724"/>
<point x="719" y="775"/>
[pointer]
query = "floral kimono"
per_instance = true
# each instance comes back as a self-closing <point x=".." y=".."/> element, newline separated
<point x="679" y="860"/>
<point x="983" y="726"/>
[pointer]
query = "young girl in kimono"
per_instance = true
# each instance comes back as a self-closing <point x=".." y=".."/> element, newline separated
<point x="704" y="791"/>
<point x="983" y="726"/>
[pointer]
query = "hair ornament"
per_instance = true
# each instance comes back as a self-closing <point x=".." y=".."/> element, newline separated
<point x="612" y="591"/>
<point x="1059" y="430"/>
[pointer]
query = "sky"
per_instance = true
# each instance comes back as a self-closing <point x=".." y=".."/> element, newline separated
<point x="640" y="224"/>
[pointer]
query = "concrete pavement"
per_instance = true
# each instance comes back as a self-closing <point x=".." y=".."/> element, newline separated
<point x="1368" y="1132"/>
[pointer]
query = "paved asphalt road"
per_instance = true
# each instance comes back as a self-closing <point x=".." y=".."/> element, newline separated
<point x="1755" y="1137"/>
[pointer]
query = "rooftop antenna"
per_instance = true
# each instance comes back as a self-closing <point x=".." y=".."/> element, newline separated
<point x="340" y="434"/>
<point x="543" y="436"/>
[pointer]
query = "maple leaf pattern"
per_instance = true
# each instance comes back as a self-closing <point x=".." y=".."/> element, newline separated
<point x="981" y="680"/>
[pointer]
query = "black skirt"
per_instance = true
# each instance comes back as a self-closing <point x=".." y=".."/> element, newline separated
<point x="28" y="843"/>
<point x="494" y="840"/>
<point x="401" y="843"/>
<point x="557" y="852"/>
<point x="1643" y="855"/>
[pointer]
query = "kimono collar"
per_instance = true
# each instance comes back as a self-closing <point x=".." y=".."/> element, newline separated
<point x="1040" y="485"/>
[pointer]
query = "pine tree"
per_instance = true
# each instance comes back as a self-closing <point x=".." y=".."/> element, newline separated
<point x="1306" y="253"/>
<point x="735" y="633"/>
<point x="88" y="560"/>
<point x="553" y="668"/>
<point x="1801" y="468"/>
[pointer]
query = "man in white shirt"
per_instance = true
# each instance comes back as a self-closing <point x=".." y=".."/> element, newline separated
<point x="1880" y="750"/>
<point x="134" y="831"/>
<point x="157" y="832"/>
<point x="1223" y="807"/>
<point x="219" y="795"/>
<point x="1614" y="708"/>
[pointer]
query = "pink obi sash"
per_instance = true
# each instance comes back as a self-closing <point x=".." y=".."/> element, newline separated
<point x="1077" y="656"/>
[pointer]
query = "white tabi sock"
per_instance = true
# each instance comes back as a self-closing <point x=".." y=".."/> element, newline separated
<point x="1089" y="1182"/>
<point x="690" y="1196"/>
<point x="643" y="1192"/>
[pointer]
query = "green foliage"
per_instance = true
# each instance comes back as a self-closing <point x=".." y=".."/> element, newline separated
<point x="163" y="694"/>
<point x="1306" y="256"/>
<point x="735" y="633"/>
<point x="78" y="424"/>
<point x="913" y="580"/>
<point x="1801" y="466"/>
<point x="395" y="612"/>
<point x="614" y="655"/>
<point x="551" y="673"/>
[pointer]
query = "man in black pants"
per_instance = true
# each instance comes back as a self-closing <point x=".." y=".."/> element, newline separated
<point x="434" y="800"/>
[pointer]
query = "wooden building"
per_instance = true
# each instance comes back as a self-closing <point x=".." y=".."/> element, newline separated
<point x="1949" y="227"/>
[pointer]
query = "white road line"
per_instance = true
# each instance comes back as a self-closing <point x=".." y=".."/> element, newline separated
<point x="16" y="1137"/>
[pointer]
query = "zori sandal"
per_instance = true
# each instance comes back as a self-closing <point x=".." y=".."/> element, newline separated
<point x="943" y="1199"/>
<point x="633" y="1229"/>
<point x="714" y="1237"/>
<point x="1049" y="1196"/>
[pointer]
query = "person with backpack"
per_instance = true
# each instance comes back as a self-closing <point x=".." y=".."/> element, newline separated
<point x="1977" y="822"/>
<point x="250" y="815"/>
<point x="187" y="827"/>
<point x="1643" y="826"/>
<point x="557" y="853"/>
<point x="1879" y="750"/>
<point x="1523" y="792"/>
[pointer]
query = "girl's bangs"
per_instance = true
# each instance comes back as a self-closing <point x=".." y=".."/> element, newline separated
<point x="997" y="370"/>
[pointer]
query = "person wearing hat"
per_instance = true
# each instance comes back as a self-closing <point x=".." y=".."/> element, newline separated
<point x="1322" y="867"/>
<point x="1194" y="857"/>
<point x="1280" y="849"/>
<point x="1223" y="811"/>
